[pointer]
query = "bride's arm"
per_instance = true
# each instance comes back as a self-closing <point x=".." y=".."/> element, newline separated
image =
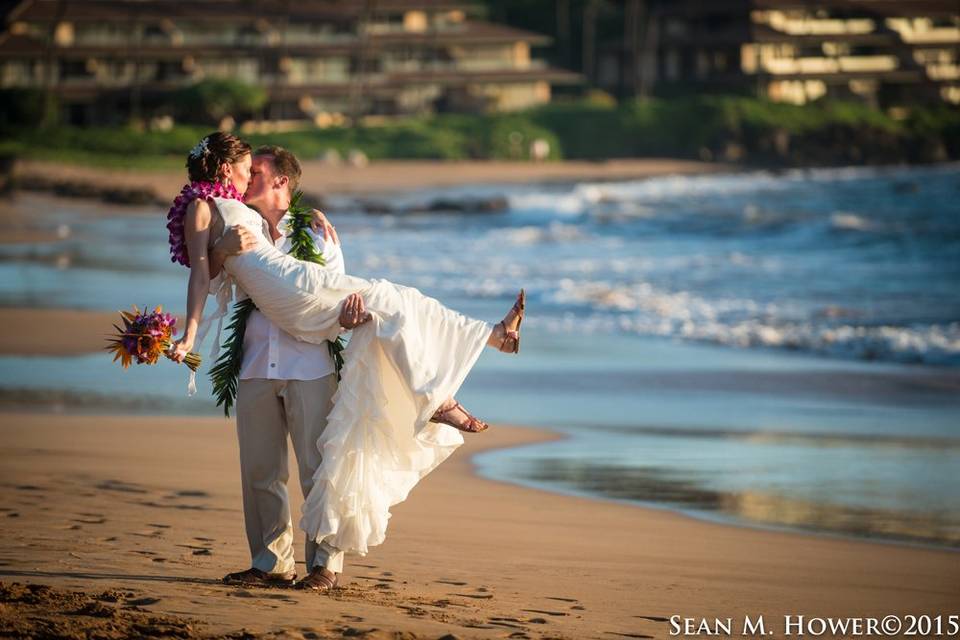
<point x="197" y="229"/>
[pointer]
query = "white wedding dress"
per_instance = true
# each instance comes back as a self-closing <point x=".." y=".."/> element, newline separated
<point x="399" y="368"/>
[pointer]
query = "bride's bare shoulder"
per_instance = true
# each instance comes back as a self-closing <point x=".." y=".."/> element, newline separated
<point x="202" y="213"/>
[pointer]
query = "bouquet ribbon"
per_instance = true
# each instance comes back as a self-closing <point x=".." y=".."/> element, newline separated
<point x="224" y="298"/>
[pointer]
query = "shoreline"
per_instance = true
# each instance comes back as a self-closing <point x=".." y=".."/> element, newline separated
<point x="380" y="177"/>
<point x="151" y="506"/>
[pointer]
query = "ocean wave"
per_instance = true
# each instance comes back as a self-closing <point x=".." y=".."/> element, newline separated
<point x="850" y="222"/>
<point x="643" y="309"/>
<point x="555" y="232"/>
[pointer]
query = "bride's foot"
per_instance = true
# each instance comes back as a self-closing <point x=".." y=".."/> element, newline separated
<point x="452" y="413"/>
<point x="506" y="334"/>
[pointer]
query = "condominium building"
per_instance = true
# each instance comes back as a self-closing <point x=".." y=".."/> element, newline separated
<point x="886" y="52"/>
<point x="315" y="59"/>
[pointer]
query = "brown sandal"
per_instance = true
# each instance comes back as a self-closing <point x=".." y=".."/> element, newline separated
<point x="511" y="337"/>
<point x="319" y="580"/>
<point x="472" y="425"/>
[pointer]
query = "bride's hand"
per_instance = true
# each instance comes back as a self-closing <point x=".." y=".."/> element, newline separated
<point x="181" y="348"/>
<point x="319" y="222"/>
<point x="235" y="240"/>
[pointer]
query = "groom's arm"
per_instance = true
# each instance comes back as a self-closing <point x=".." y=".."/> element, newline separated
<point x="233" y="241"/>
<point x="353" y="311"/>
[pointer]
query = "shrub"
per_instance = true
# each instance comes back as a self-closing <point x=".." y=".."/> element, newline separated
<point x="210" y="101"/>
<point x="27" y="108"/>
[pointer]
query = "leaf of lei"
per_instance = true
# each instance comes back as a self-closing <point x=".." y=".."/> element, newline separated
<point x="226" y="372"/>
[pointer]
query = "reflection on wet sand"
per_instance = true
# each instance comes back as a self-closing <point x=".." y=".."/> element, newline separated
<point x="652" y="485"/>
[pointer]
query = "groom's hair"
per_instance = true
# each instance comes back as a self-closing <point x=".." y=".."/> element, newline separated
<point x="284" y="164"/>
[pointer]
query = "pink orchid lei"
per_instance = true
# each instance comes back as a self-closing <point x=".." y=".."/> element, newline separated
<point x="189" y="193"/>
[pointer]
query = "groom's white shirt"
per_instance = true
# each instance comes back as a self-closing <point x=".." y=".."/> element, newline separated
<point x="273" y="354"/>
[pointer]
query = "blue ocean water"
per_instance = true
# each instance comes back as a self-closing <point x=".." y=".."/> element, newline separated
<point x="768" y="348"/>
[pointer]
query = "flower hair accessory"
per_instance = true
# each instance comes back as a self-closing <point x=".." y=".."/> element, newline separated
<point x="200" y="149"/>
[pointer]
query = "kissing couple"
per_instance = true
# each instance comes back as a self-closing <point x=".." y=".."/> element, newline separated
<point x="361" y="443"/>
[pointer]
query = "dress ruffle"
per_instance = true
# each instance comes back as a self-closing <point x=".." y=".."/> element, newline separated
<point x="399" y="368"/>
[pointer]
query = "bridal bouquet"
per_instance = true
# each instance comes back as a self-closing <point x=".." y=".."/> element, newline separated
<point x="145" y="337"/>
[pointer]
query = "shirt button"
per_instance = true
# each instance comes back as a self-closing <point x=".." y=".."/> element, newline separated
<point x="273" y="364"/>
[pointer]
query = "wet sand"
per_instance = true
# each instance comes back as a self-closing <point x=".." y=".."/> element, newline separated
<point x="391" y="175"/>
<point x="54" y="332"/>
<point x="149" y="508"/>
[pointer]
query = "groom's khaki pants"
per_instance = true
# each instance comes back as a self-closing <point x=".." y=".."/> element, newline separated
<point x="267" y="411"/>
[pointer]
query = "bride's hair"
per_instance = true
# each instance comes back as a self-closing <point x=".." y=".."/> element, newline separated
<point x="211" y="153"/>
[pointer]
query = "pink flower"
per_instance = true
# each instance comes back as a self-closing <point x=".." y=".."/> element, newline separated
<point x="189" y="193"/>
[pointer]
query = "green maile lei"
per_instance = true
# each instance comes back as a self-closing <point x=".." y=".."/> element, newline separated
<point x="225" y="373"/>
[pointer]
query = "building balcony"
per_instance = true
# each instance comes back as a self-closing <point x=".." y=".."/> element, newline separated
<point x="463" y="64"/>
<point x="923" y="31"/>
<point x="942" y="72"/>
<point x="802" y="25"/>
<point x="819" y="66"/>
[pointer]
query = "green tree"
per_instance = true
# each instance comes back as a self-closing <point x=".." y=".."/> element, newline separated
<point x="210" y="101"/>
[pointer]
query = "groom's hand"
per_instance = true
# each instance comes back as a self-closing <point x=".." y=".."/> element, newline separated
<point x="319" y="222"/>
<point x="353" y="313"/>
<point x="235" y="240"/>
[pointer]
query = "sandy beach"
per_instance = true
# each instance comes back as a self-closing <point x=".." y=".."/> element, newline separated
<point x="321" y="178"/>
<point x="148" y="509"/>
<point x="122" y="526"/>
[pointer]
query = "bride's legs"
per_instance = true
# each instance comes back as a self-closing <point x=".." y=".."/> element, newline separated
<point x="505" y="336"/>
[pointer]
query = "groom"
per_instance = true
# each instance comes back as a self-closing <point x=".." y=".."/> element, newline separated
<point x="285" y="389"/>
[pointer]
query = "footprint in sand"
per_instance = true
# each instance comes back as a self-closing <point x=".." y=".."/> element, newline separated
<point x="381" y="583"/>
<point x="561" y="599"/>
<point x="119" y="485"/>
<point x="205" y="539"/>
<point x="475" y="596"/>
<point x="13" y="514"/>
<point x="28" y="487"/>
<point x="197" y="550"/>
<point x="181" y="507"/>
<point x="142" y="602"/>
<point x="654" y="618"/>
<point x="345" y="616"/>
<point x="193" y="493"/>
<point x="546" y="612"/>
<point x="510" y="623"/>
<point x="628" y="635"/>
<point x="99" y="520"/>
<point x="455" y="583"/>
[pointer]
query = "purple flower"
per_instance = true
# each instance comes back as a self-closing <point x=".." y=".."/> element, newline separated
<point x="189" y="193"/>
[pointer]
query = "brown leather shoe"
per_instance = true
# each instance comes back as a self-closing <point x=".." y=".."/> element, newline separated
<point x="257" y="578"/>
<point x="320" y="580"/>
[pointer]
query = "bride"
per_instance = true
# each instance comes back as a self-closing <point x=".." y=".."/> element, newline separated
<point x="395" y="417"/>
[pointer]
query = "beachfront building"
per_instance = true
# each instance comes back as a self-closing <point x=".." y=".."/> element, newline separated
<point x="885" y="52"/>
<point x="322" y="60"/>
